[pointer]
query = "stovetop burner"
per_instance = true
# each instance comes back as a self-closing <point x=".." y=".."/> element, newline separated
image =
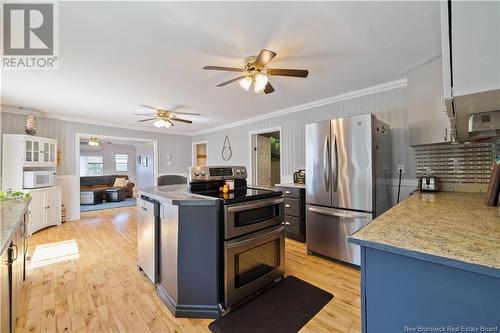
<point x="241" y="195"/>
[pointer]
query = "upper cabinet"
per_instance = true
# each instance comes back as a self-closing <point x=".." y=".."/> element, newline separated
<point x="25" y="152"/>
<point x="474" y="64"/>
<point x="39" y="151"/>
<point x="427" y="118"/>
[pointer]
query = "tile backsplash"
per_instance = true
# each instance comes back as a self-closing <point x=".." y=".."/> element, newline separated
<point x="461" y="167"/>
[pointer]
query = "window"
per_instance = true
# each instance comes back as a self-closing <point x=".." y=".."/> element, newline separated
<point x="91" y="166"/>
<point x="121" y="162"/>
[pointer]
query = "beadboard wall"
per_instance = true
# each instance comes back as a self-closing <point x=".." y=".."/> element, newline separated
<point x="178" y="147"/>
<point x="388" y="106"/>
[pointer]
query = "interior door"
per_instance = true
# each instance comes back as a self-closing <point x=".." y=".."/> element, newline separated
<point x="263" y="160"/>
<point x="318" y="164"/>
<point x="351" y="161"/>
<point x="328" y="229"/>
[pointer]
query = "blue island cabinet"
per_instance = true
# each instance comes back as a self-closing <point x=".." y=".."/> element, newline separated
<point x="403" y="291"/>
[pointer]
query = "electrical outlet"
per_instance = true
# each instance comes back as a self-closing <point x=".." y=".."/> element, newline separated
<point x="401" y="167"/>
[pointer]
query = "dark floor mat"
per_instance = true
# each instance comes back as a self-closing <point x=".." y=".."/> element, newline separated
<point x="284" y="308"/>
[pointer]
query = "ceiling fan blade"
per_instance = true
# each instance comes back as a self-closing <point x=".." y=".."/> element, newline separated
<point x="264" y="57"/>
<point x="228" y="69"/>
<point x="145" y="114"/>
<point x="230" y="81"/>
<point x="185" y="113"/>
<point x="287" y="72"/>
<point x="148" y="107"/>
<point x="182" y="120"/>
<point x="149" y="119"/>
<point x="268" y="89"/>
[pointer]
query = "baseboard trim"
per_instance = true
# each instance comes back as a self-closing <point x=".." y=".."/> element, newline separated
<point x="187" y="311"/>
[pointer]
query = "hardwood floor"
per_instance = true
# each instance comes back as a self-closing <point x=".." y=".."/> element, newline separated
<point x="96" y="287"/>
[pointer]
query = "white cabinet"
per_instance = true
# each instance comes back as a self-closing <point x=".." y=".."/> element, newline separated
<point x="39" y="151"/>
<point x="45" y="208"/>
<point x="21" y="152"/>
<point x="427" y="118"/>
<point x="475" y="46"/>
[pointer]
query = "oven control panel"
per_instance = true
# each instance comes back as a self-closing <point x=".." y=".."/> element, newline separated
<point x="207" y="173"/>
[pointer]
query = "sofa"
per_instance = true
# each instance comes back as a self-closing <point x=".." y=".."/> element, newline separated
<point x="101" y="183"/>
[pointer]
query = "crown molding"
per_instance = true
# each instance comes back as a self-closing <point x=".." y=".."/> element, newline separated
<point x="334" y="99"/>
<point x="55" y="116"/>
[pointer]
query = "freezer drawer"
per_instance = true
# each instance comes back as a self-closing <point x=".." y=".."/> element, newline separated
<point x="328" y="229"/>
<point x="147" y="238"/>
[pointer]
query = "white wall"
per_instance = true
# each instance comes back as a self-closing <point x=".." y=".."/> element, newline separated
<point x="174" y="151"/>
<point x="388" y="106"/>
<point x="108" y="151"/>
<point x="144" y="174"/>
<point x="177" y="147"/>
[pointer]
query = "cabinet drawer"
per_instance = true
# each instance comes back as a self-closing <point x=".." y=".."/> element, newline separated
<point x="292" y="224"/>
<point x="292" y="206"/>
<point x="290" y="192"/>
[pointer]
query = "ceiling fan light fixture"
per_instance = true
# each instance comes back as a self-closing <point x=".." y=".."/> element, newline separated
<point x="93" y="142"/>
<point x="261" y="81"/>
<point x="245" y="83"/>
<point x="161" y="123"/>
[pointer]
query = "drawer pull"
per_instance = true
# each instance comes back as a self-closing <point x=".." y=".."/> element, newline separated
<point x="287" y="206"/>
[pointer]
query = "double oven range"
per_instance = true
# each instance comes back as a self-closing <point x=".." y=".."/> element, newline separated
<point x="252" y="246"/>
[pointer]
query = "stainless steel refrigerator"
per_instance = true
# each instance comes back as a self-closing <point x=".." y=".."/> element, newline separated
<point x="348" y="166"/>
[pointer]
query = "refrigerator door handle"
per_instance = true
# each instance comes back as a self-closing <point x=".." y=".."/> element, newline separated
<point x="335" y="167"/>
<point x="326" y="163"/>
<point x="340" y="213"/>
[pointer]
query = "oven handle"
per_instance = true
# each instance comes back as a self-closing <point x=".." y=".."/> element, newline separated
<point x="253" y="239"/>
<point x="252" y="205"/>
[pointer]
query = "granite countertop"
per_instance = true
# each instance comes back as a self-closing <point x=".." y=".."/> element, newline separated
<point x="456" y="229"/>
<point x="291" y="185"/>
<point x="177" y="195"/>
<point x="11" y="214"/>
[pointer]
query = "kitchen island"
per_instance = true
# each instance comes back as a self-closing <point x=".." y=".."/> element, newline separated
<point x="188" y="251"/>
<point x="432" y="262"/>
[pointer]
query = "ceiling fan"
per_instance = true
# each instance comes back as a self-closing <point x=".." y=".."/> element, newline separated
<point x="255" y="72"/>
<point x="164" y="118"/>
<point x="93" y="142"/>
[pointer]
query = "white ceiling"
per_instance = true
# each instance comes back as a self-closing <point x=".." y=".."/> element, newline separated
<point x="116" y="55"/>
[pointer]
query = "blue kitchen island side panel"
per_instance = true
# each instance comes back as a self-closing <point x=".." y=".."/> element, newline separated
<point x="404" y="294"/>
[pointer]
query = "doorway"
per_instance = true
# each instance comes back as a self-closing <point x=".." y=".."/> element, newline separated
<point x="200" y="154"/>
<point x="112" y="169"/>
<point x="266" y="157"/>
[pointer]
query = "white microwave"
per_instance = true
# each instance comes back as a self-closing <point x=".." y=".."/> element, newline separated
<point x="36" y="179"/>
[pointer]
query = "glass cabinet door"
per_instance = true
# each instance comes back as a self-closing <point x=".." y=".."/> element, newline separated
<point x="29" y="151"/>
<point x="36" y="151"/>
<point x="52" y="152"/>
<point x="46" y="152"/>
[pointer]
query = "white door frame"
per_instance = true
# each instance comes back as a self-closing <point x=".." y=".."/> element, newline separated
<point x="78" y="136"/>
<point x="193" y="151"/>
<point x="251" y="166"/>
